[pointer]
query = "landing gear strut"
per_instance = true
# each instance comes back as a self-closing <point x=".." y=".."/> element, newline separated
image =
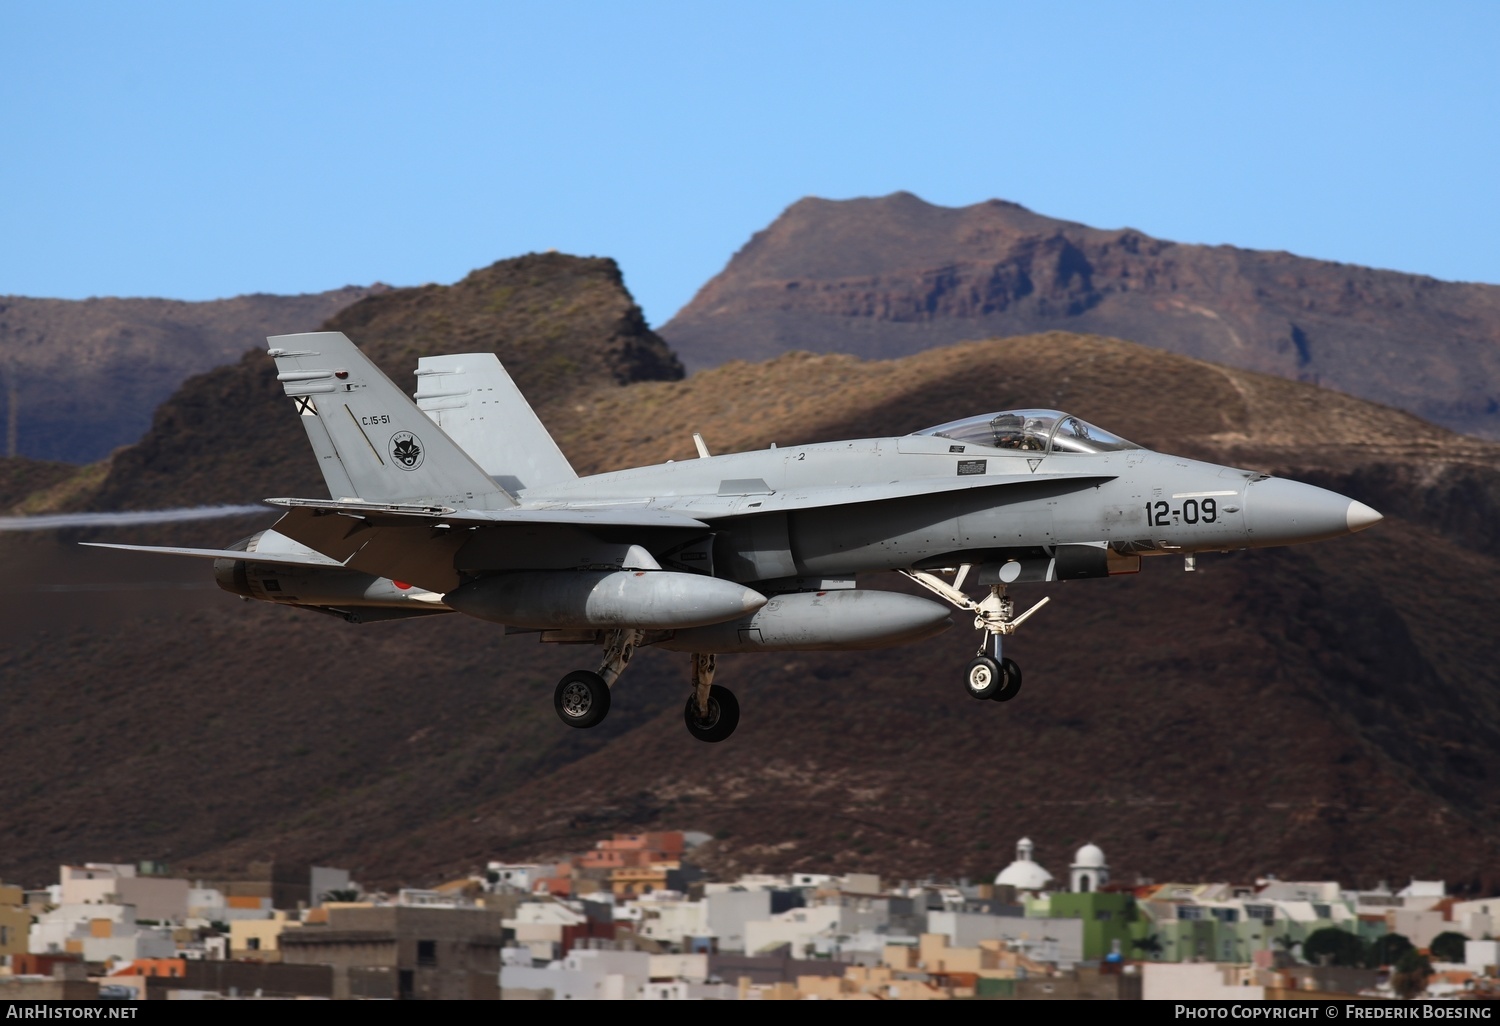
<point x="990" y="676"/>
<point x="712" y="711"/>
<point x="582" y="697"/>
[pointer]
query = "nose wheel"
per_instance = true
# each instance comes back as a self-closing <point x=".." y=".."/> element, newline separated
<point x="993" y="681"/>
<point x="990" y="676"/>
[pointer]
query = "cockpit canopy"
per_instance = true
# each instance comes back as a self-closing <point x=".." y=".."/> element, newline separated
<point x="1044" y="431"/>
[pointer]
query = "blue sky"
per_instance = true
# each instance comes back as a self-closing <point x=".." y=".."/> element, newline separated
<point x="200" y="150"/>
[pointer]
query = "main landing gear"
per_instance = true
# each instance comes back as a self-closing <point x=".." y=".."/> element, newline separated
<point x="582" y="697"/>
<point x="990" y="676"/>
<point x="712" y="712"/>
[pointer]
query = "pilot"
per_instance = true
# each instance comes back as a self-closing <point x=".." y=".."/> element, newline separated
<point x="1010" y="431"/>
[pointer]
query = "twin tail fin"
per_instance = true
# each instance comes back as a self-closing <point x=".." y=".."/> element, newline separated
<point x="370" y="439"/>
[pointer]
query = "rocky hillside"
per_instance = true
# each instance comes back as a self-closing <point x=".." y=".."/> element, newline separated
<point x="891" y="276"/>
<point x="21" y="478"/>
<point x="1305" y="711"/>
<point x="560" y="323"/>
<point x="79" y="378"/>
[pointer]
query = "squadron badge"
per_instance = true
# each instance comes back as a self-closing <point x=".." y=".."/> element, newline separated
<point x="406" y="450"/>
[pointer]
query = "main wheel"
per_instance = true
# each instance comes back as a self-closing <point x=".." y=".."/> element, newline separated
<point x="723" y="715"/>
<point x="984" y="677"/>
<point x="581" y="699"/>
<point x="1011" y="682"/>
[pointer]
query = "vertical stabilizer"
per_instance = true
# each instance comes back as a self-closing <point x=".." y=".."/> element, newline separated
<point x="371" y="441"/>
<point x="475" y="402"/>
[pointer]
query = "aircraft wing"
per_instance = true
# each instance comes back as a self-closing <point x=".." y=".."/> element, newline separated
<point x="611" y="515"/>
<point x="422" y="544"/>
<point x="730" y="502"/>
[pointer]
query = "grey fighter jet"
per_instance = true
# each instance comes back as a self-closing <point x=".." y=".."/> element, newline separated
<point x="461" y="502"/>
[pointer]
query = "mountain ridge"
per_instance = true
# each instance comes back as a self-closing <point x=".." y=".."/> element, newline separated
<point x="80" y="378"/>
<point x="558" y="322"/>
<point x="893" y="275"/>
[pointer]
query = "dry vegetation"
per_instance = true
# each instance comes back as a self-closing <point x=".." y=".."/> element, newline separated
<point x="1160" y="399"/>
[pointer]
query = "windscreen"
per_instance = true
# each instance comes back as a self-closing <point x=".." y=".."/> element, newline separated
<point x="1043" y="431"/>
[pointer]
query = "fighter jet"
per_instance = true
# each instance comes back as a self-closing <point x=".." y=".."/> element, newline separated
<point x="462" y="502"/>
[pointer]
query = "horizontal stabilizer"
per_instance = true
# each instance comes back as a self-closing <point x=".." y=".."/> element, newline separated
<point x="277" y="558"/>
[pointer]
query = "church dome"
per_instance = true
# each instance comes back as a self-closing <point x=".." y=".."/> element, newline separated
<point x="1024" y="874"/>
<point x="1090" y="856"/>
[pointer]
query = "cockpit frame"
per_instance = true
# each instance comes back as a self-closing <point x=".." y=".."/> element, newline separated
<point x="1036" y="430"/>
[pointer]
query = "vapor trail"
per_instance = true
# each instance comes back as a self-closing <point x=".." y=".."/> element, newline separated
<point x="128" y="518"/>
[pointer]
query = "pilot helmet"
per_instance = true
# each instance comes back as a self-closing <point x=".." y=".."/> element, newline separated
<point x="1007" y="425"/>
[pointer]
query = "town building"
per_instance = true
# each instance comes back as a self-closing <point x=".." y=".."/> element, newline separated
<point x="107" y="934"/>
<point x="404" y="952"/>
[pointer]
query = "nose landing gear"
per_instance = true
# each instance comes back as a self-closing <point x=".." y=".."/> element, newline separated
<point x="998" y="680"/>
<point x="990" y="676"/>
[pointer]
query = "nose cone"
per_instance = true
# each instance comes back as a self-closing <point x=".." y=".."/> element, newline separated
<point x="1281" y="512"/>
<point x="1361" y="516"/>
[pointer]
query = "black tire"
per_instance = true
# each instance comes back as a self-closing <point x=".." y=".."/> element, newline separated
<point x="1011" y="684"/>
<point x="983" y="678"/>
<point x="723" y="715"/>
<point x="581" y="699"/>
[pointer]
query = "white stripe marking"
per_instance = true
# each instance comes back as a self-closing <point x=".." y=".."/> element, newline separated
<point x="1200" y="495"/>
